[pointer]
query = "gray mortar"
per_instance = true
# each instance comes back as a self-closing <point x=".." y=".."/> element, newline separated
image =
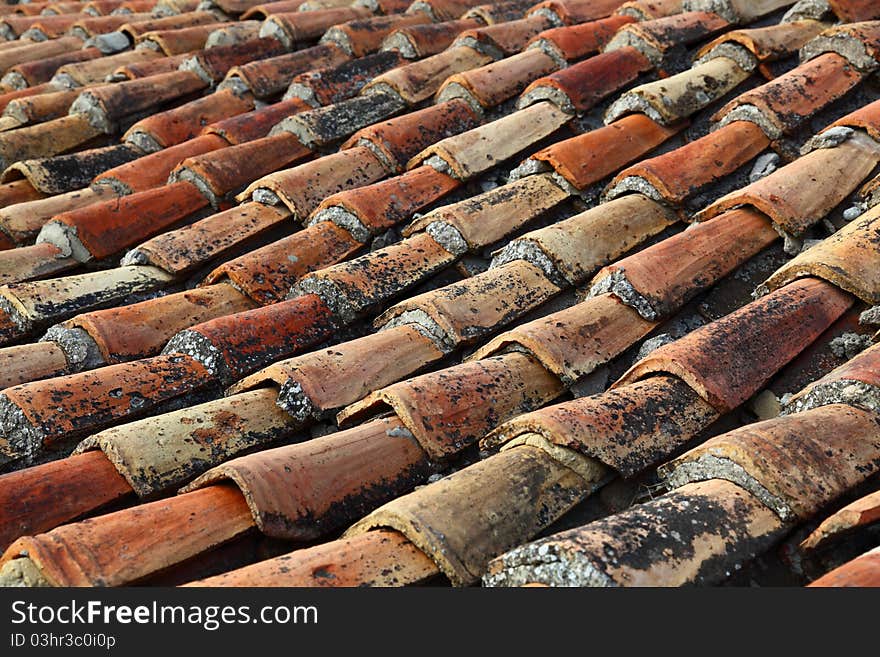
<point x="732" y="50"/>
<point x="293" y="401"/>
<point x="87" y="105"/>
<point x="425" y="8"/>
<point x="617" y="284"/>
<point x="272" y="30"/>
<point x="148" y="43"/>
<point x="764" y="165"/>
<point x="345" y="220"/>
<point x="329" y="293"/>
<point x="65" y="238"/>
<point x="80" y="349"/>
<point x="843" y="391"/>
<point x="447" y="236"/>
<point x="632" y="103"/>
<point x="525" y="249"/>
<point x="143" y="140"/>
<point x="560" y="181"/>
<point x="542" y="562"/>
<point x="266" y="196"/>
<point x="185" y="174"/>
<point x="551" y="50"/>
<point x="6" y="33"/>
<point x="454" y="90"/>
<point x="63" y="81"/>
<point x="109" y="43"/>
<point x="197" y="346"/>
<point x="831" y="138"/>
<point x="550" y="15"/>
<point x="440" y="165"/>
<point x="421" y="321"/>
<point x="529" y="167"/>
<point x="481" y="47"/>
<point x="870" y="317"/>
<point x="398" y="41"/>
<point x="117" y="186"/>
<point x="807" y="9"/>
<point x="849" y="345"/>
<point x="14" y="80"/>
<point x="193" y="65"/>
<point x="335" y="36"/>
<point x="550" y="94"/>
<point x="22" y="573"/>
<point x="21" y="321"/>
<point x="379" y="153"/>
<point x="23" y="439"/>
<point x="721" y="7"/>
<point x="848" y="47"/>
<point x="752" y="114"/>
<point x="302" y="91"/>
<point x="633" y="184"/>
<point x="851" y="213"/>
<point x="651" y="344"/>
<point x="708" y="466"/>
<point x="623" y="39"/>
<point x="235" y="84"/>
<point x="34" y="34"/>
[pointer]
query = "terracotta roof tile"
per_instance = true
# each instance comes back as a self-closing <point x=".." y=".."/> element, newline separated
<point x="500" y="12"/>
<point x="364" y="466"/>
<point x="573" y="42"/>
<point x="738" y="11"/>
<point x="854" y="10"/>
<point x="581" y="86"/>
<point x="503" y="39"/>
<point x="417" y="41"/>
<point x="46" y="139"/>
<point x="326" y="86"/>
<point x="88" y="27"/>
<point x="213" y="64"/>
<point x="31" y="74"/>
<point x="268" y="77"/>
<point x="260" y="10"/>
<point x="862" y="571"/>
<point x="560" y="343"/>
<point x="96" y="70"/>
<point x="30" y="262"/>
<point x="175" y="22"/>
<point x="47" y="27"/>
<point x="655" y="38"/>
<point x="234" y="33"/>
<point x="257" y="123"/>
<point x="267" y="273"/>
<point x="571" y="12"/>
<point x="859" y="43"/>
<point x="304" y="26"/>
<point x="765" y="44"/>
<point x="444" y="10"/>
<point x="643" y="10"/>
<point x="24" y="220"/>
<point x="757" y="339"/>
<point x="363" y="36"/>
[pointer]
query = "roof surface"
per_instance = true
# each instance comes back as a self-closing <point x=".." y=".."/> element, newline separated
<point x="383" y="293"/>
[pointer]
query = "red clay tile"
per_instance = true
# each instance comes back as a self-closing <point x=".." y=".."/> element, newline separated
<point x="848" y="259"/>
<point x="729" y="360"/>
<point x="671" y="272"/>
<point x="579" y="87"/>
<point x="861" y="513"/>
<point x="853" y="383"/>
<point x="181" y="123"/>
<point x="486" y="218"/>
<point x="301" y="27"/>
<point x="450" y="410"/>
<point x="9" y="96"/>
<point x="644" y="10"/>
<point x="55" y="411"/>
<point x="255" y="124"/>
<point x="574" y="42"/>
<point x="384" y="204"/>
<point x="41" y="107"/>
<point x="656" y="37"/>
<point x="22" y="221"/>
<point x="573" y="342"/>
<point x="174" y="22"/>
<point x="795" y="464"/>
<point x="859" y="43"/>
<point x="418" y="41"/>
<point x="233" y="33"/>
<point x="801" y="193"/>
<point x="51" y="27"/>
<point x="400" y="139"/>
<point x="265" y="78"/>
<point x="572" y="12"/>
<point x="227" y="170"/>
<point x="213" y="64"/>
<point x="92" y="552"/>
<point x="303" y="187"/>
<point x="361" y="560"/>
<point x="178" y="41"/>
<point x="679" y="173"/>
<point x="141" y="329"/>
<point x="303" y="491"/>
<point x="782" y="104"/>
<point x="861" y="572"/>
<point x="144" y="69"/>
<point x="418" y="81"/>
<point x="492" y="84"/>
<point x="579" y="245"/>
<point x="500" y="12"/>
<point x="29" y="362"/>
<point x="152" y="170"/>
<point x="588" y="158"/>
<point x="327" y="86"/>
<point x="445" y="10"/>
<point x="517" y="493"/>
<point x="29" y="262"/>
<point x="505" y="38"/>
<point x="866" y="118"/>
<point x="197" y="244"/>
<point x="96" y="70"/>
<point x="89" y="27"/>
<point x="40" y="71"/>
<point x="65" y="173"/>
<point x="251" y="339"/>
<point x="769" y="43"/>
<point x="18" y="191"/>
<point x="628" y="429"/>
<point x="363" y="36"/>
<point x="105" y="7"/>
<point x="40" y="498"/>
<point x="45" y="139"/>
<point x="262" y="10"/>
<point x="468" y="310"/>
<point x="855" y="10"/>
<point x="318" y="383"/>
<point x="266" y="274"/>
